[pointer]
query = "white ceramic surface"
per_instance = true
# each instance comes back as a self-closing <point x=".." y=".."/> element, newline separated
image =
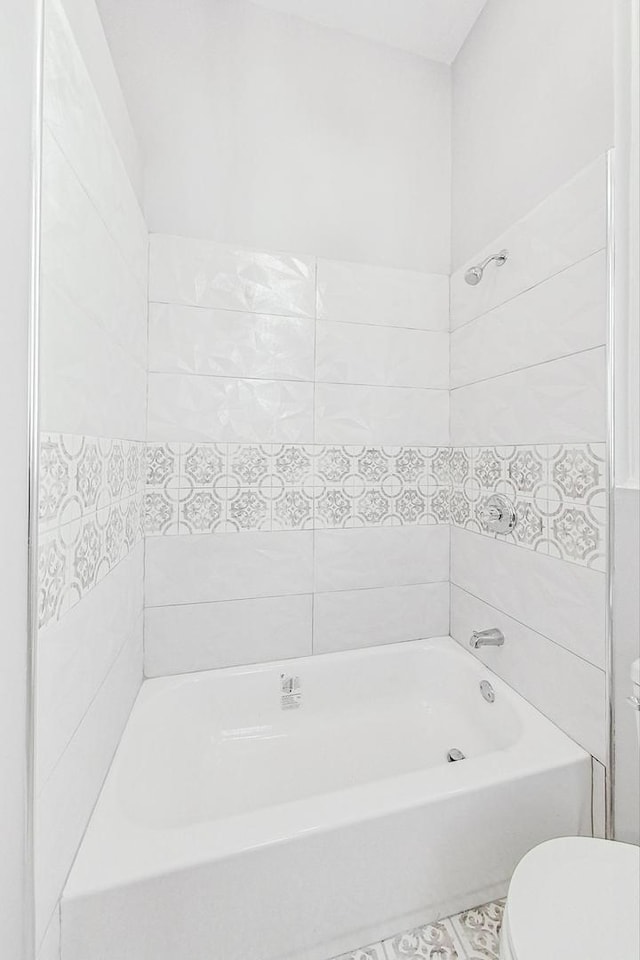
<point x="588" y="891"/>
<point x="216" y="787"/>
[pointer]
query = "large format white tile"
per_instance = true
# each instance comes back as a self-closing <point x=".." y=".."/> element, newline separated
<point x="49" y="949"/>
<point x="360" y="293"/>
<point x="348" y="619"/>
<point x="229" y="343"/>
<point x="563" y="601"/>
<point x="81" y="257"/>
<point x="76" y="653"/>
<point x="187" y="407"/>
<point x="380" y="557"/>
<point x="207" y="274"/>
<point x="567" y="689"/>
<point x="381" y="415"/>
<point x="360" y="353"/>
<point x="205" y="636"/>
<point x="563" y="401"/>
<point x="65" y="801"/>
<point x="568" y="226"/>
<point x="73" y="114"/>
<point x="90" y="385"/>
<point x="195" y="569"/>
<point x="563" y="315"/>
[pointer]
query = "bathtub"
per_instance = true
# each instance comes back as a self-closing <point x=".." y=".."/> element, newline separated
<point x="304" y="808"/>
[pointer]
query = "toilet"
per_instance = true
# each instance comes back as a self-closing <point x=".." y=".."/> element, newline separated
<point x="575" y="898"/>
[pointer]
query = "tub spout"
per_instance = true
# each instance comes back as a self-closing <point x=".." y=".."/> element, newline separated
<point x="486" y="638"/>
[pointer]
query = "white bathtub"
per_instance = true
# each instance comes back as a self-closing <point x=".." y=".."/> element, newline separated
<point x="242" y="821"/>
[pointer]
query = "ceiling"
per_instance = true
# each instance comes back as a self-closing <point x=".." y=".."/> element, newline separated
<point x="431" y="28"/>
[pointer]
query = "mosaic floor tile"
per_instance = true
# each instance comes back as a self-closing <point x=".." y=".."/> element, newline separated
<point x="471" y="935"/>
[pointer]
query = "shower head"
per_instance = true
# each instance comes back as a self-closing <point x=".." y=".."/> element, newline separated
<point x="474" y="275"/>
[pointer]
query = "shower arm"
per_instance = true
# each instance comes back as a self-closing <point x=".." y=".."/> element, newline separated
<point x="500" y="259"/>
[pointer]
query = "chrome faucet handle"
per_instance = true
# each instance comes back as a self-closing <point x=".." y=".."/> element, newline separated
<point x="486" y="638"/>
<point x="499" y="514"/>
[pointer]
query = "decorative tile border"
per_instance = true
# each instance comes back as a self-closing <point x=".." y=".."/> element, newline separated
<point x="97" y="495"/>
<point x="90" y="515"/>
<point x="471" y="935"/>
<point x="206" y="488"/>
<point x="558" y="491"/>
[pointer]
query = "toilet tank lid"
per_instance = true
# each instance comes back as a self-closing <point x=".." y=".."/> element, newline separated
<point x="635" y="671"/>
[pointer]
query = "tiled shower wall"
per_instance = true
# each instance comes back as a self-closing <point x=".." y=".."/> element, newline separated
<point x="93" y="403"/>
<point x="528" y="415"/>
<point x="296" y="408"/>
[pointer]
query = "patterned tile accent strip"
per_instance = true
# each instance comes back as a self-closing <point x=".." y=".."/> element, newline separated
<point x="471" y="935"/>
<point x="90" y="514"/>
<point x="206" y="488"/>
<point x="558" y="491"/>
<point x="93" y="493"/>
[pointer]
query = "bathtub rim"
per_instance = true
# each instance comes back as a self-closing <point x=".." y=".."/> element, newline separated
<point x="166" y="850"/>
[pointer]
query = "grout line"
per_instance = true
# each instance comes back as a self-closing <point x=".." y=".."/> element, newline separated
<point x="129" y="638"/>
<point x="457" y="940"/>
<point x="528" y="366"/>
<point x="313" y="381"/>
<point x="527" y="626"/>
<point x="525" y="290"/>
<point x="303" y="593"/>
<point x="389" y="327"/>
<point x="518" y="546"/>
<point x="124" y="255"/>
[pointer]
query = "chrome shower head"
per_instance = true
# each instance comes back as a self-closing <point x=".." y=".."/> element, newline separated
<point x="474" y="275"/>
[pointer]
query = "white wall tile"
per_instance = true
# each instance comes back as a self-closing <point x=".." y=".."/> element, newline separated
<point x="206" y="274"/>
<point x="185" y="407"/>
<point x="380" y="557"/>
<point x="563" y="315"/>
<point x="82" y="258"/>
<point x="73" y="114"/>
<point x="382" y="415"/>
<point x="565" y="228"/>
<point x="205" y="636"/>
<point x="360" y="293"/>
<point x="76" y="653"/>
<point x="348" y="619"/>
<point x="90" y="385"/>
<point x="563" y="601"/>
<point x="229" y="343"/>
<point x="361" y="353"/>
<point x="563" y="401"/>
<point x="195" y="569"/>
<point x="62" y="812"/>
<point x="49" y="949"/>
<point x="567" y="689"/>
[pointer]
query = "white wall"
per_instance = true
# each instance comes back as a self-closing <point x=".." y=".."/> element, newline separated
<point x="265" y="130"/>
<point x="17" y="94"/>
<point x="295" y="410"/>
<point x="528" y="402"/>
<point x="92" y="456"/>
<point x="626" y="608"/>
<point x="533" y="104"/>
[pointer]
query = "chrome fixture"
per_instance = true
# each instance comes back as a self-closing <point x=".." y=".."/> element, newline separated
<point x="486" y="638"/>
<point x="634" y="702"/>
<point x="487" y="691"/>
<point x="454" y="755"/>
<point x="499" y="514"/>
<point x="474" y="275"/>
